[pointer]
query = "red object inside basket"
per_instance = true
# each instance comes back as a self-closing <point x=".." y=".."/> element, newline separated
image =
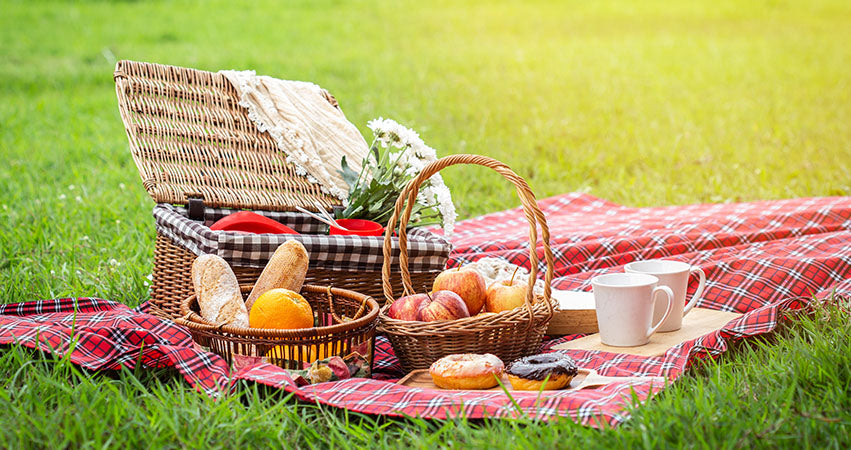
<point x="357" y="227"/>
<point x="250" y="222"/>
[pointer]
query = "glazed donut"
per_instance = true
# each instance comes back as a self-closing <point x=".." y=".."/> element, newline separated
<point x="466" y="371"/>
<point x="529" y="373"/>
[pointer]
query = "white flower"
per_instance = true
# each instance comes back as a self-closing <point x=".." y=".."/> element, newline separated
<point x="390" y="132"/>
<point x="444" y="204"/>
<point x="71" y="187"/>
<point x="61" y="196"/>
<point x="84" y="238"/>
<point x="117" y="221"/>
<point x="409" y="137"/>
<point x="113" y="262"/>
<point x="427" y="198"/>
<point x="426" y="153"/>
<point x="78" y="199"/>
<point x="379" y="130"/>
<point x="5" y="207"/>
<point x="434" y="192"/>
<point x="414" y="155"/>
<point x="121" y="186"/>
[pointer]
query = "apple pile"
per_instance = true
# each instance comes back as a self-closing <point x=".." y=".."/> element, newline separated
<point x="439" y="305"/>
<point x="459" y="293"/>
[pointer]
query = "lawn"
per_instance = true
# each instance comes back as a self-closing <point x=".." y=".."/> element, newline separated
<point x="641" y="103"/>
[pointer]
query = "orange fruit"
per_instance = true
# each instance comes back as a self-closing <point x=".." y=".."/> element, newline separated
<point x="288" y="352"/>
<point x="280" y="309"/>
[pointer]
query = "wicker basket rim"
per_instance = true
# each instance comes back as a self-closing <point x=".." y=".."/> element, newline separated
<point x="192" y="320"/>
<point x="481" y="322"/>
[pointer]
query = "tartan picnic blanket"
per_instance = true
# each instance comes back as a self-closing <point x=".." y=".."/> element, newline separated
<point x="765" y="259"/>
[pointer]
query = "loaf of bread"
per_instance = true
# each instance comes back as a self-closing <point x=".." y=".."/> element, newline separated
<point x="217" y="291"/>
<point x="286" y="269"/>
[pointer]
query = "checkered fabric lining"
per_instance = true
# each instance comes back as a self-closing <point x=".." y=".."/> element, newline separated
<point x="427" y="251"/>
<point x="759" y="258"/>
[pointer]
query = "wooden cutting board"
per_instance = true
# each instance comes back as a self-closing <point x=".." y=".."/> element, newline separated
<point x="695" y="324"/>
<point x="574" y="313"/>
<point x="586" y="378"/>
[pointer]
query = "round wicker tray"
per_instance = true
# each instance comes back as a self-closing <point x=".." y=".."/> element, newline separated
<point x="507" y="334"/>
<point x="346" y="323"/>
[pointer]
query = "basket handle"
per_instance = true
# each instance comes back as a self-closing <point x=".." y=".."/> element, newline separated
<point x="339" y="319"/>
<point x="530" y="207"/>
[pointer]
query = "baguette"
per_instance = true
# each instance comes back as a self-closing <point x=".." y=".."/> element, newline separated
<point x="217" y="291"/>
<point x="286" y="269"/>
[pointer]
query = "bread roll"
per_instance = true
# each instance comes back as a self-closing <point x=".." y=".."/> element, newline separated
<point x="286" y="269"/>
<point x="217" y="291"/>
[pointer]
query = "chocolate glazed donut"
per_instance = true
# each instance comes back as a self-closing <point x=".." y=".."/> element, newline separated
<point x="530" y="373"/>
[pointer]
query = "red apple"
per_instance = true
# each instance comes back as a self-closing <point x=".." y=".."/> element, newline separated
<point x="505" y="295"/>
<point x="467" y="283"/>
<point x="442" y="305"/>
<point x="405" y="308"/>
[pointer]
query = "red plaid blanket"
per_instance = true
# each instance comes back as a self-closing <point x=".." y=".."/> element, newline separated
<point x="763" y="259"/>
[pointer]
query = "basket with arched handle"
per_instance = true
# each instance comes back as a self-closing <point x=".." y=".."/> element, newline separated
<point x="507" y="334"/>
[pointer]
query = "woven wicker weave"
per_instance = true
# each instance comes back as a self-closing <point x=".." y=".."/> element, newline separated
<point x="507" y="334"/>
<point x="190" y="138"/>
<point x="334" y="335"/>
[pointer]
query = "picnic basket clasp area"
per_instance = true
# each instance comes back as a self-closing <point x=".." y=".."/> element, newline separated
<point x="508" y="334"/>
<point x="191" y="139"/>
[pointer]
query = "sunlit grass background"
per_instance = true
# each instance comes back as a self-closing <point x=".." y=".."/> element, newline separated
<point x="642" y="103"/>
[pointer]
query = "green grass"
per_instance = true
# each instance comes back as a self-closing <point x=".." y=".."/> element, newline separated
<point x="642" y="103"/>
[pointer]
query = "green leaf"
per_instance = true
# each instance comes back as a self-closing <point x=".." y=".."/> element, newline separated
<point x="375" y="207"/>
<point x="355" y="212"/>
<point x="349" y="175"/>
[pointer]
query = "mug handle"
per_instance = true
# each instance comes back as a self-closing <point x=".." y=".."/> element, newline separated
<point x="699" y="292"/>
<point x="668" y="293"/>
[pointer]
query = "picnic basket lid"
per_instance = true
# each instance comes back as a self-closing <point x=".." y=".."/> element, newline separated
<point x="190" y="138"/>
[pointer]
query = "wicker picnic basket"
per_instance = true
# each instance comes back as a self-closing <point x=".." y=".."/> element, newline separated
<point x="198" y="154"/>
<point x="507" y="334"/>
<point x="345" y="324"/>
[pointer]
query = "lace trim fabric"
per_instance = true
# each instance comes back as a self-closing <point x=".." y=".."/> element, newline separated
<point x="312" y="134"/>
<point x="497" y="269"/>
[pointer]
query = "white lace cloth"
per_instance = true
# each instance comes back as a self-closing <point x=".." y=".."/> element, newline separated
<point x="312" y="133"/>
<point x="496" y="269"/>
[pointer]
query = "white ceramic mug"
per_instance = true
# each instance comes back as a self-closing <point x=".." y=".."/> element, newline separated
<point x="675" y="275"/>
<point x="625" y="304"/>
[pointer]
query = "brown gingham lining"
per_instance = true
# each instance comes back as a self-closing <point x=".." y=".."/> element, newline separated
<point x="426" y="251"/>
